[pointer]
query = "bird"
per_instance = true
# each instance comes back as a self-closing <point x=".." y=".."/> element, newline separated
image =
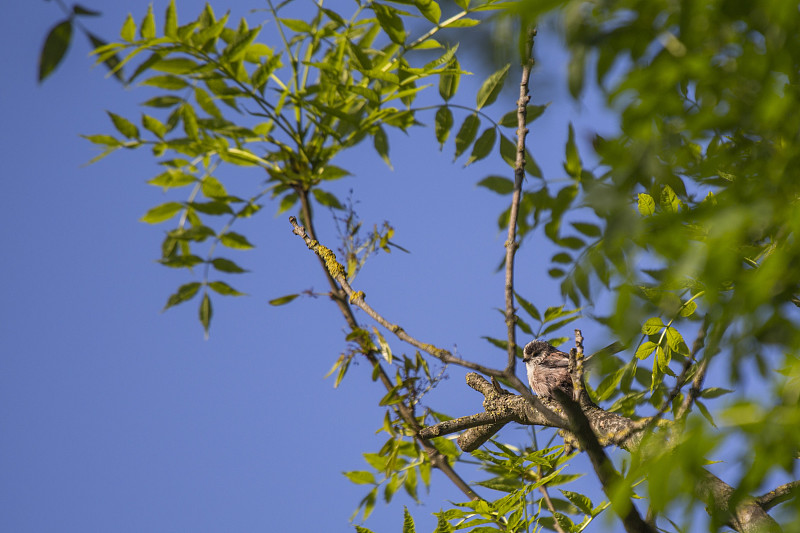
<point x="548" y="369"/>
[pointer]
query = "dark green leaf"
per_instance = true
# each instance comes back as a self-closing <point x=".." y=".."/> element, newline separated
<point x="327" y="199"/>
<point x="483" y="146"/>
<point x="444" y="122"/>
<point x="491" y="87"/>
<point x="79" y="10"/>
<point x="205" y="313"/>
<point x="529" y="307"/>
<point x="449" y="79"/>
<point x="498" y="184"/>
<point x="573" y="163"/>
<point x="381" y="143"/>
<point x="226" y="265"/>
<point x="466" y="134"/>
<point x="283" y="299"/>
<point x="55" y="46"/>
<point x="590" y="230"/>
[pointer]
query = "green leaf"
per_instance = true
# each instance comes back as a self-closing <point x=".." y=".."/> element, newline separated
<point x="226" y="265"/>
<point x="213" y="207"/>
<point x="238" y="48"/>
<point x="529" y="307"/>
<point x="154" y="125"/>
<point x="449" y="79"/>
<point x="444" y="122"/>
<point x="645" y="349"/>
<point x="381" y="143"/>
<point x="590" y="230"/>
<point x="705" y="412"/>
<point x="220" y="287"/>
<point x="429" y="9"/>
<point x="124" y="126"/>
<point x="532" y="112"/>
<point x="360" y="477"/>
<point x="205" y="313"/>
<point x="498" y="184"/>
<point x="483" y="146"/>
<point x="128" y="31"/>
<point x="646" y="205"/>
<point x="466" y="134"/>
<point x="168" y="82"/>
<point x="327" y="199"/>
<point x="235" y="240"/>
<point x="55" y="46"/>
<point x="189" y="122"/>
<point x="206" y="103"/>
<point x="162" y="212"/>
<point x="283" y="300"/>
<point x="171" y="20"/>
<point x="296" y="25"/>
<point x="176" y="65"/>
<point x="669" y="200"/>
<point x="184" y="293"/>
<point x="82" y="11"/>
<point x="148" y="27"/>
<point x="391" y="22"/>
<point x="573" y="163"/>
<point x="491" y="87"/>
<point x="163" y="101"/>
<point x="212" y="188"/>
<point x="408" y="522"/>
<point x="714" y="392"/>
<point x="652" y="326"/>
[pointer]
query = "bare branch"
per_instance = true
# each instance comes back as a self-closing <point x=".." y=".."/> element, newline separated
<point x="519" y="175"/>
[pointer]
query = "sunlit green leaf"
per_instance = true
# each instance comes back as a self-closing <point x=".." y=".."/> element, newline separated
<point x="498" y="184"/>
<point x="162" y="212"/>
<point x="184" y="293"/>
<point x="235" y="240"/>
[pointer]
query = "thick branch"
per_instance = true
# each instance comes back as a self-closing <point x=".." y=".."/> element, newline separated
<point x="745" y="515"/>
<point x="778" y="495"/>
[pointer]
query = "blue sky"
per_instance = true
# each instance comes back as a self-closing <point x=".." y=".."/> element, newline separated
<point x="117" y="417"/>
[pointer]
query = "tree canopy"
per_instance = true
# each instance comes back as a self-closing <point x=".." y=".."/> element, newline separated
<point x="677" y="234"/>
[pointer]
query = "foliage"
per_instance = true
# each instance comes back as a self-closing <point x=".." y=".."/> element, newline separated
<point x="688" y="221"/>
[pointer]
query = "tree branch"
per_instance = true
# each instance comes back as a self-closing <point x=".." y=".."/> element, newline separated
<point x="519" y="175"/>
<point x="745" y="515"/>
<point x="438" y="460"/>
<point x="779" y="495"/>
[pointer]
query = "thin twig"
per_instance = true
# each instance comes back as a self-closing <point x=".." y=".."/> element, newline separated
<point x="519" y="174"/>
